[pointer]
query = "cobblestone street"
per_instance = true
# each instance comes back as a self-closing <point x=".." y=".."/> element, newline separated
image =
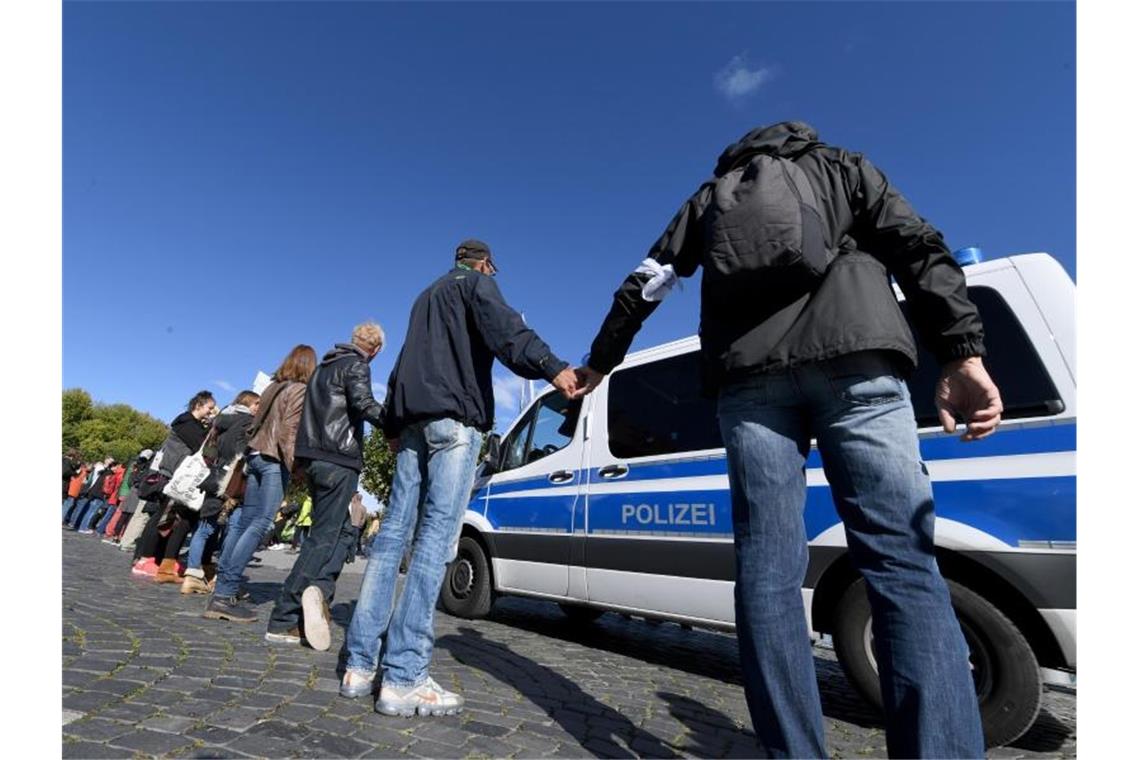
<point x="145" y="675"/>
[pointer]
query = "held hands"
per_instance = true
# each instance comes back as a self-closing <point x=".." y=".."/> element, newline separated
<point x="576" y="383"/>
<point x="965" y="388"/>
<point x="588" y="380"/>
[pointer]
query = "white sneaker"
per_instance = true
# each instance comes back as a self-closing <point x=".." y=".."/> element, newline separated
<point x="316" y="617"/>
<point x="429" y="698"/>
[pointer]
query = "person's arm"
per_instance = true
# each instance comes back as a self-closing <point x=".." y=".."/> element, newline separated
<point x="935" y="287"/>
<point x="677" y="250"/>
<point x="514" y="344"/>
<point x="358" y="394"/>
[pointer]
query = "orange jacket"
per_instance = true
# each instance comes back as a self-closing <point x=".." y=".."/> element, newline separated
<point x="111" y="485"/>
<point x="76" y="484"/>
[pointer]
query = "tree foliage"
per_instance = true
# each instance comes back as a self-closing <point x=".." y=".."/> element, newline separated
<point x="100" y="430"/>
<point x="379" y="466"/>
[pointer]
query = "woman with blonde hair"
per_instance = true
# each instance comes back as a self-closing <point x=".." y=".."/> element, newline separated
<point x="269" y="464"/>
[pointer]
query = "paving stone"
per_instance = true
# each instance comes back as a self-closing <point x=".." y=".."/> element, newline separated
<point x="171" y="724"/>
<point x="131" y="711"/>
<point x="151" y="742"/>
<point x="237" y="718"/>
<point x="97" y="729"/>
<point x="485" y="729"/>
<point x="279" y="729"/>
<point x="87" y="701"/>
<point x="332" y="745"/>
<point x="212" y="734"/>
<point x="84" y="750"/>
<point x="428" y="748"/>
<point x="262" y="746"/>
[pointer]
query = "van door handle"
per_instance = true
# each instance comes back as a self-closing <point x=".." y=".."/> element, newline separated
<point x="613" y="471"/>
<point x="561" y="476"/>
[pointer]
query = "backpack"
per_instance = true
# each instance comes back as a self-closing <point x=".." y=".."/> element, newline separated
<point x="763" y="228"/>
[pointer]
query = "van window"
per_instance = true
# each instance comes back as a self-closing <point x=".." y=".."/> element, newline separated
<point x="548" y="427"/>
<point x="657" y="408"/>
<point x="1013" y="363"/>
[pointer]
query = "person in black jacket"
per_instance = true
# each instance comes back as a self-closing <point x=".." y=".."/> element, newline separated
<point x="231" y="427"/>
<point x="156" y="553"/>
<point x="440" y="402"/>
<point x="811" y="343"/>
<point x="330" y="441"/>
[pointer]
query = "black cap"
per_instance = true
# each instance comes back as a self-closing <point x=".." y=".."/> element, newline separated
<point x="474" y="249"/>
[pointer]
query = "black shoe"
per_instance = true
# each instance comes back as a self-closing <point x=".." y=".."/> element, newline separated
<point x="229" y="608"/>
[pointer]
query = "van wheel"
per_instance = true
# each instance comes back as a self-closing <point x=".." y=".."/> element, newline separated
<point x="580" y="614"/>
<point x="467" y="591"/>
<point x="1005" y="671"/>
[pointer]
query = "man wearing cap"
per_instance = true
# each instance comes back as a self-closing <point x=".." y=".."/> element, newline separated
<point x="440" y="403"/>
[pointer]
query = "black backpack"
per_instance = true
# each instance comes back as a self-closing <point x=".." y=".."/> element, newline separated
<point x="763" y="230"/>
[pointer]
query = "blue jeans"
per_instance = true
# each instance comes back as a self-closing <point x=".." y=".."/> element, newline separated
<point x="207" y="526"/>
<point x="859" y="410"/>
<point x="437" y="457"/>
<point x="102" y="526"/>
<point x="68" y="503"/>
<point x="83" y="521"/>
<point x="266" y="481"/>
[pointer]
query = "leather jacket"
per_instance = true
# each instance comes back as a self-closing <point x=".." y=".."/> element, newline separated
<point x="338" y="401"/>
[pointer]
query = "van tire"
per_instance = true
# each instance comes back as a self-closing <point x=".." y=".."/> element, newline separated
<point x="1009" y="694"/>
<point x="467" y="591"/>
<point x="580" y="614"/>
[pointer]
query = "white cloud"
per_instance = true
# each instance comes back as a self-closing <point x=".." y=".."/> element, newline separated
<point x="736" y="80"/>
<point x="509" y="390"/>
<point x="380" y="391"/>
<point x="228" y="387"/>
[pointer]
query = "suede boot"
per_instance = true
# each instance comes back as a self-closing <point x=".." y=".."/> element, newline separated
<point x="168" y="572"/>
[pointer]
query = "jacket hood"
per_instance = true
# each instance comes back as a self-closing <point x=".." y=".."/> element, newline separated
<point x="341" y="350"/>
<point x="231" y="414"/>
<point x="788" y="138"/>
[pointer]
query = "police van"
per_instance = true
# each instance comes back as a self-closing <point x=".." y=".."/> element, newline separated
<point x="620" y="502"/>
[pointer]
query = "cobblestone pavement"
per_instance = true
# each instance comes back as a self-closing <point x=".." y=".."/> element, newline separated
<point x="145" y="675"/>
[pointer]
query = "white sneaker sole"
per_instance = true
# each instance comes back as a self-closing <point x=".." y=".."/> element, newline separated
<point x="281" y="638"/>
<point x="405" y="710"/>
<point x="316" y="627"/>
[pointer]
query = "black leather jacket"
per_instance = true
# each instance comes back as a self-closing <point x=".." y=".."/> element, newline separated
<point x="338" y="400"/>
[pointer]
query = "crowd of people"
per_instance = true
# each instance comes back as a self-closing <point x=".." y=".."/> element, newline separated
<point x="247" y="449"/>
<point x="802" y="337"/>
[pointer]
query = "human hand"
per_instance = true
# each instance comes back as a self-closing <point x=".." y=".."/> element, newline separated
<point x="567" y="382"/>
<point x="966" y="388"/>
<point x="588" y="380"/>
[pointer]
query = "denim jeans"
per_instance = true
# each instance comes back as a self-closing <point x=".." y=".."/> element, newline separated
<point x="102" y="526"/>
<point x="859" y="410"/>
<point x="68" y="503"/>
<point x="84" y="518"/>
<point x="437" y="458"/>
<point x="266" y="481"/>
<point x="207" y="526"/>
<point x="331" y="541"/>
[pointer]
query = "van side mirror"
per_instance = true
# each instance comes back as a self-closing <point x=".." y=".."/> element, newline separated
<point x="492" y="451"/>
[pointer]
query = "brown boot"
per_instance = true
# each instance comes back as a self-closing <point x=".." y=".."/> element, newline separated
<point x="168" y="572"/>
<point x="192" y="585"/>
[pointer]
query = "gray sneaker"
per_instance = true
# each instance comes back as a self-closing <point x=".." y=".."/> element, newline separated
<point x="228" y="608"/>
<point x="429" y="698"/>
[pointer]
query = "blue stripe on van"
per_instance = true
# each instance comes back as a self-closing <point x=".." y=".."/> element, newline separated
<point x="1010" y="510"/>
<point x="532" y="513"/>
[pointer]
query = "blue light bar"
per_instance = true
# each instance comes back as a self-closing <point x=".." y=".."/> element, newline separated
<point x="970" y="255"/>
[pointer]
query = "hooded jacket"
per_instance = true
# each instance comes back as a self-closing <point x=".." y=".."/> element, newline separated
<point x="458" y="327"/>
<point x="876" y="235"/>
<point x="187" y="434"/>
<point x="338" y="400"/>
<point x="231" y="427"/>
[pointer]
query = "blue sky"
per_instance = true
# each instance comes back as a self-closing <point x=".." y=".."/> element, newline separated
<point x="242" y="177"/>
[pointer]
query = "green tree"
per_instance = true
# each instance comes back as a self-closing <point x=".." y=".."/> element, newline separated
<point x="379" y="466"/>
<point x="100" y="430"/>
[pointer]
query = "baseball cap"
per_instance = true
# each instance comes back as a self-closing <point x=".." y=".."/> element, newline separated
<point x="474" y="249"/>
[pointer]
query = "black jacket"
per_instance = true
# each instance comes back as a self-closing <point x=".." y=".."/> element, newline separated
<point x="853" y="308"/>
<point x="457" y="328"/>
<point x="338" y="400"/>
<point x="232" y="426"/>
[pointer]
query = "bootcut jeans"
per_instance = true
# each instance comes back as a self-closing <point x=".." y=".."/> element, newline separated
<point x="266" y="481"/>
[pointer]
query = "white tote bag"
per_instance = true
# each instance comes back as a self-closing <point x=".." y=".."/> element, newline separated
<point x="183" y="485"/>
